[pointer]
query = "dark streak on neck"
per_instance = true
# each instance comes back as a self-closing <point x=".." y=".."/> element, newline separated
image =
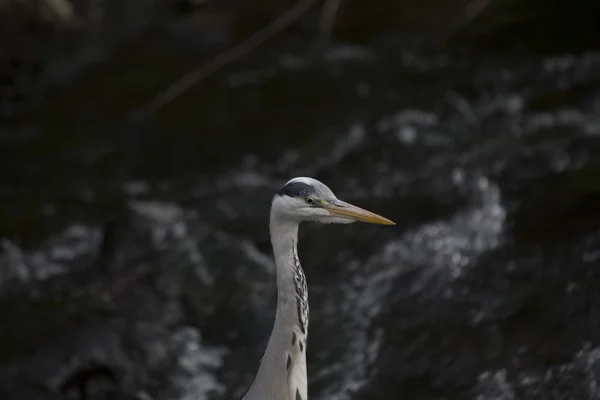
<point x="301" y="291"/>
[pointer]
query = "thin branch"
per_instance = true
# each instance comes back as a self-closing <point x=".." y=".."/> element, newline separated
<point x="328" y="15"/>
<point x="192" y="78"/>
<point x="470" y="13"/>
<point x="62" y="8"/>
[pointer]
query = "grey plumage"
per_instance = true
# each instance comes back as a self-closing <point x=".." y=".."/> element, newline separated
<point x="282" y="371"/>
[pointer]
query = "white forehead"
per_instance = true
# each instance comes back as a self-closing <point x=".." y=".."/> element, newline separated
<point x="321" y="190"/>
<point x="305" y="179"/>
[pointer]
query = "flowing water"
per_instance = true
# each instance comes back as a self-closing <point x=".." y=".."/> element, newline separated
<point x="141" y="268"/>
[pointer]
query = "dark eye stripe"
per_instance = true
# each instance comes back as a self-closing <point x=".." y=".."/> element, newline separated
<point x="297" y="189"/>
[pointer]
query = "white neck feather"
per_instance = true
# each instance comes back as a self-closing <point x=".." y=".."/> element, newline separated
<point x="282" y="372"/>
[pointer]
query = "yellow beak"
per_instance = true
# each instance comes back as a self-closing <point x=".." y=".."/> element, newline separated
<point x="338" y="208"/>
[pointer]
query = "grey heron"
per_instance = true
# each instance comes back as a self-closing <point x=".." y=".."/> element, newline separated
<point x="282" y="371"/>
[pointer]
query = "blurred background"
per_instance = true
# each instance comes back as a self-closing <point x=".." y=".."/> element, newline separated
<point x="135" y="260"/>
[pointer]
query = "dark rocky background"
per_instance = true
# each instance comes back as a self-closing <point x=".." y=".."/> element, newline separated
<point x="134" y="252"/>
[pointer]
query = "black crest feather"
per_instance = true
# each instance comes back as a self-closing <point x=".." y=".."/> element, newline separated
<point x="297" y="189"/>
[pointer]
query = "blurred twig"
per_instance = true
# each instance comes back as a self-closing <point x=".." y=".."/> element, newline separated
<point x="471" y="11"/>
<point x="328" y="15"/>
<point x="62" y="8"/>
<point x="177" y="88"/>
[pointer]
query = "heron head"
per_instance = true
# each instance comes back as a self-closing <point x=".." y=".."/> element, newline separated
<point x="307" y="199"/>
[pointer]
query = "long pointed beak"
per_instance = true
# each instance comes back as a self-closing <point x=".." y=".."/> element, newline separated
<point x="338" y="208"/>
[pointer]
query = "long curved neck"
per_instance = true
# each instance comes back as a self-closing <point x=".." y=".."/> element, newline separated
<point x="282" y="371"/>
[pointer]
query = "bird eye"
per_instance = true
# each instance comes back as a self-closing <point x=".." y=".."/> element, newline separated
<point x="309" y="201"/>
